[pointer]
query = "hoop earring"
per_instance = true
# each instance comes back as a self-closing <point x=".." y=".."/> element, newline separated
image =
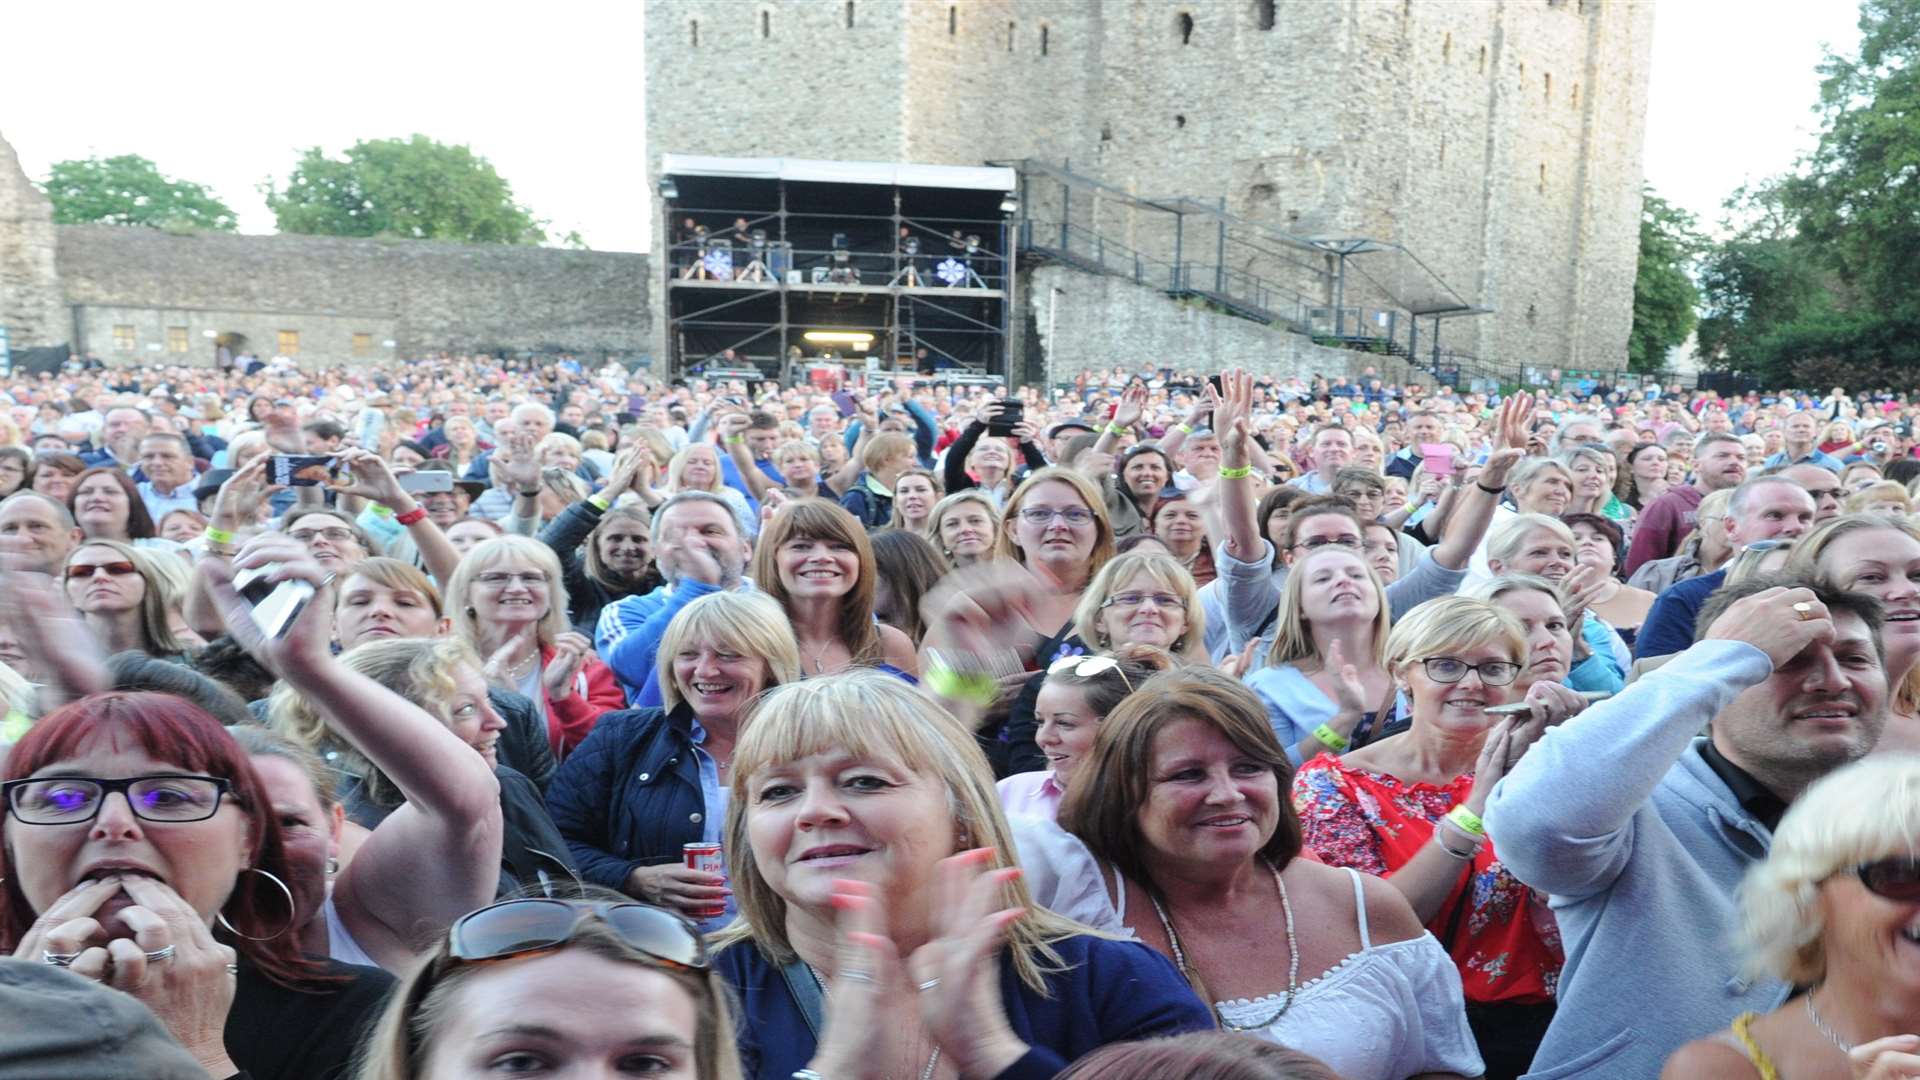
<point x="292" y="913"/>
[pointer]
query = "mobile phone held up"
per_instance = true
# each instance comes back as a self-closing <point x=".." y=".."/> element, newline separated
<point x="1012" y="411"/>
<point x="302" y="470"/>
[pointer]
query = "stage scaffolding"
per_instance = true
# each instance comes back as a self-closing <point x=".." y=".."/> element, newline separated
<point x="776" y="265"/>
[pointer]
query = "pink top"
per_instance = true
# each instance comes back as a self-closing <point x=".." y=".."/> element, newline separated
<point x="1035" y="793"/>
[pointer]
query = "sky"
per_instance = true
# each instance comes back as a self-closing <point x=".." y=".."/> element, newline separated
<point x="552" y="94"/>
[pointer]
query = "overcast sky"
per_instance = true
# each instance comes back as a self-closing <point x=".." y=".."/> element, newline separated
<point x="227" y="94"/>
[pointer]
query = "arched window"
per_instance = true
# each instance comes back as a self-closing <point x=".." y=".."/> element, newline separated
<point x="1185" y="22"/>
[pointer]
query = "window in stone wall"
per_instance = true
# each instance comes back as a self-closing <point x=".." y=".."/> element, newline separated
<point x="1044" y="31"/>
<point x="176" y="339"/>
<point x="1549" y="84"/>
<point x="362" y="345"/>
<point x="1184" y="22"/>
<point x="849" y="14"/>
<point x="953" y="19"/>
<point x="1263" y="13"/>
<point x="1446" y="49"/>
<point x="693" y="28"/>
<point x="289" y="343"/>
<point x="123" y="338"/>
<point x="1483" y="59"/>
<point x="1574" y="99"/>
<point x="766" y="24"/>
<point x="1011" y="27"/>
<point x="1542" y="186"/>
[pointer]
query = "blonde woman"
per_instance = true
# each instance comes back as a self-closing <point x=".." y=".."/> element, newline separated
<point x="1885" y="498"/>
<point x="1830" y="910"/>
<point x="127" y="597"/>
<point x="507" y="600"/>
<point x="884" y="928"/>
<point x="697" y="468"/>
<point x="962" y="527"/>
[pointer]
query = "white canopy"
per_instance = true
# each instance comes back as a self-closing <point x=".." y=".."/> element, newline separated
<point x="970" y="177"/>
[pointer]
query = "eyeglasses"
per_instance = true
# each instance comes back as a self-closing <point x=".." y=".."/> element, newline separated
<point x="1139" y="599"/>
<point x="87" y="570"/>
<point x="500" y="579"/>
<point x="332" y="536"/>
<point x="1451" y="669"/>
<point x="1897" y="878"/>
<point x="71" y="800"/>
<point x="1347" y="540"/>
<point x="514" y="928"/>
<point x="1044" y="515"/>
<point x="1087" y="667"/>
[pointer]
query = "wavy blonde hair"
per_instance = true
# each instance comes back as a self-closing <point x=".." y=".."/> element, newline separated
<point x="874" y="716"/>
<point x="750" y="624"/>
<point x="1293" y="633"/>
<point x="488" y="554"/>
<point x="1856" y="814"/>
<point x="1164" y="569"/>
<point x="165" y="589"/>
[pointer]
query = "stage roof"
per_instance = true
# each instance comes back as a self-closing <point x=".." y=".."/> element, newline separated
<point x="888" y="174"/>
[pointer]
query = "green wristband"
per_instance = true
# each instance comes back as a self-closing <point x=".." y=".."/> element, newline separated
<point x="1468" y="821"/>
<point x="1332" y="739"/>
<point x="979" y="689"/>
<point x="1240" y="473"/>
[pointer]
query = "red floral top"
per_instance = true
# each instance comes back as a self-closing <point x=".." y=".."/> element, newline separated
<point x="1505" y="942"/>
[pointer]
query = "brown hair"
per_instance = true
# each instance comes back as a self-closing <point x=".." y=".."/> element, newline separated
<point x="1104" y="798"/>
<point x="1199" y="1055"/>
<point x="818" y="519"/>
<point x="911" y="567"/>
<point x="590" y="550"/>
<point x="139" y="522"/>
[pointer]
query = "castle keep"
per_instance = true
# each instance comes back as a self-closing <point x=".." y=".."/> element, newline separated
<point x="1498" y="141"/>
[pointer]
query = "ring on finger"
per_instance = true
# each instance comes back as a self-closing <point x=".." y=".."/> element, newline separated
<point x="856" y="975"/>
<point x="1803" y="611"/>
<point x="928" y="985"/>
<point x="58" y="959"/>
<point x="164" y="952"/>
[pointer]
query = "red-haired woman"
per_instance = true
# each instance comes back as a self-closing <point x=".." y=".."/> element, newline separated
<point x="142" y="852"/>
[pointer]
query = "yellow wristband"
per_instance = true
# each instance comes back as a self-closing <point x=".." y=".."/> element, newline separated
<point x="980" y="689"/>
<point x="1332" y="739"/>
<point x="219" y="536"/>
<point x="1468" y="821"/>
<point x="733" y="440"/>
<point x="1116" y="429"/>
<point x="599" y="500"/>
<point x="382" y="511"/>
<point x="1184" y="429"/>
<point x="1240" y="473"/>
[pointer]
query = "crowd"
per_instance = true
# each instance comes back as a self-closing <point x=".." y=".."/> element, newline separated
<point x="549" y="719"/>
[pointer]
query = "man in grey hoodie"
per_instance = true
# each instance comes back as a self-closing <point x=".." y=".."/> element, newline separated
<point x="1639" y="828"/>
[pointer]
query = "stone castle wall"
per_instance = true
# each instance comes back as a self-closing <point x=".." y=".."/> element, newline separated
<point x="30" y="305"/>
<point x="423" y="296"/>
<point x="1500" y="141"/>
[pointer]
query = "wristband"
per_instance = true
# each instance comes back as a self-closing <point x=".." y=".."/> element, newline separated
<point x="599" y="500"/>
<point x="1240" y="473"/>
<point x="381" y="510"/>
<point x="1409" y="508"/>
<point x="1494" y="491"/>
<point x="1332" y="739"/>
<point x="1468" y="821"/>
<point x="979" y="689"/>
<point x="735" y="440"/>
<point x="1116" y="429"/>
<point x="219" y="536"/>
<point x="225" y="550"/>
<point x="1463" y="856"/>
<point x="1184" y="428"/>
<point x="411" y="517"/>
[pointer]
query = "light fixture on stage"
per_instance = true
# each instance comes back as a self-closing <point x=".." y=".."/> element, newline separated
<point x="843" y="272"/>
<point x="861" y="340"/>
<point x="757" y="265"/>
<point x="1010" y="203"/>
<point x="973" y="243"/>
<point x="668" y="189"/>
<point x="910" y="246"/>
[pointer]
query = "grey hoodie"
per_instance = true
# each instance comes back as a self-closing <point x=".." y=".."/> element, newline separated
<point x="1640" y="845"/>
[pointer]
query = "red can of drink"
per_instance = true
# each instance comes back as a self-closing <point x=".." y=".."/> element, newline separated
<point x="705" y="856"/>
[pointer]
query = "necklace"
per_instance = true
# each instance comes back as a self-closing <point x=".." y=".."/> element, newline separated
<point x="933" y="1059"/>
<point x="1293" y="958"/>
<point x="819" y="664"/>
<point x="1821" y="1025"/>
<point x="520" y="670"/>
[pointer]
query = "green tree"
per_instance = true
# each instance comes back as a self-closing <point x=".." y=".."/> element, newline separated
<point x="415" y="188"/>
<point x="1664" y="296"/>
<point x="130" y="190"/>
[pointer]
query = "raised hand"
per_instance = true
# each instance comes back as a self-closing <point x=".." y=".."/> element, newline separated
<point x="307" y="644"/>
<point x="867" y="978"/>
<point x="627" y="470"/>
<point x="1349" y="690"/>
<point x="1780" y="622"/>
<point x="981" y="610"/>
<point x="1207" y="405"/>
<point x="1582" y="587"/>
<point x="370" y="476"/>
<point x="1240" y="664"/>
<point x="1133" y="401"/>
<point x="956" y="973"/>
<point x="1491" y="766"/>
<point x="519" y="465"/>
<point x="570" y="653"/>
<point x="237" y="503"/>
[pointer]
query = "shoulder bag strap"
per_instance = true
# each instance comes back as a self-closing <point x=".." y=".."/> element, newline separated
<point x="806" y="993"/>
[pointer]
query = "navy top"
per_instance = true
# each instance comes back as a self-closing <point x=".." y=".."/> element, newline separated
<point x="1668" y="627"/>
<point x="1112" y="991"/>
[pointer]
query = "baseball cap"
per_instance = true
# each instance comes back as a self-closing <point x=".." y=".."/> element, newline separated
<point x="55" y="1023"/>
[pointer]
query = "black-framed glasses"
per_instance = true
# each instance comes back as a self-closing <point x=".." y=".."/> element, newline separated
<point x="74" y="800"/>
<point x="514" y="928"/>
<point x="1451" y="669"/>
<point x="1896" y="878"/>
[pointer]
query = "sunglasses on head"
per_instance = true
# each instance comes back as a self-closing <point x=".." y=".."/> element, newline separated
<point x="1086" y="667"/>
<point x="1896" y="878"/>
<point x="514" y="928"/>
<point x="87" y="570"/>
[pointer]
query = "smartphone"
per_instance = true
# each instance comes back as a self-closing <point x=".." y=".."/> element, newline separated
<point x="302" y="470"/>
<point x="426" y="482"/>
<point x="844" y="402"/>
<point x="275" y="604"/>
<point x="1219" y="384"/>
<point x="1437" y="458"/>
<point x="1012" y="411"/>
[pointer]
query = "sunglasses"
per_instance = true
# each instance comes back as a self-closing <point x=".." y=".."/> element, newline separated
<point x="514" y="928"/>
<point x="87" y="570"/>
<point x="1086" y="667"/>
<point x="1896" y="878"/>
